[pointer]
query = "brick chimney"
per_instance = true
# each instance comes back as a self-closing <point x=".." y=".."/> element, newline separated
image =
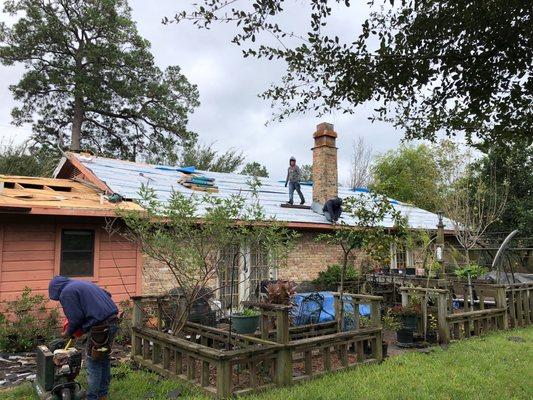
<point x="325" y="175"/>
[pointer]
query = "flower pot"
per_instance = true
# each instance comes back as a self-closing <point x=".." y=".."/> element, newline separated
<point x="410" y="322"/>
<point x="404" y="336"/>
<point x="244" y="324"/>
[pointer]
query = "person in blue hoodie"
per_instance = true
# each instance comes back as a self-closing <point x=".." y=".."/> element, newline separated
<point x="91" y="309"/>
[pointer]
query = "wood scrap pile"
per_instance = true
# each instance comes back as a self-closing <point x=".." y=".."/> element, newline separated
<point x="199" y="182"/>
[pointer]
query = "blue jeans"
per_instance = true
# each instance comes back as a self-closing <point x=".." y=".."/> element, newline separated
<point x="292" y="187"/>
<point x="99" y="371"/>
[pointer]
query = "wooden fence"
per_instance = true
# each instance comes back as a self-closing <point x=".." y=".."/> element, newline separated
<point x="495" y="307"/>
<point x="520" y="303"/>
<point x="223" y="364"/>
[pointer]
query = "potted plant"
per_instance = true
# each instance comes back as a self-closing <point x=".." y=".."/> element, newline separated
<point x="434" y="269"/>
<point x="407" y="318"/>
<point x="408" y="315"/>
<point x="245" y="322"/>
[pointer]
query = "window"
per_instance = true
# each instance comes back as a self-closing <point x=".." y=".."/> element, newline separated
<point x="77" y="252"/>
<point x="229" y="256"/>
<point x="401" y="258"/>
<point x="259" y="271"/>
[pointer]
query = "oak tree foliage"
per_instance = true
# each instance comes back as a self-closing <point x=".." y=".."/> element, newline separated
<point x="432" y="66"/>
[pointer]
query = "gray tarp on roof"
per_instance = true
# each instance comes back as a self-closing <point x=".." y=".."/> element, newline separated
<point x="126" y="178"/>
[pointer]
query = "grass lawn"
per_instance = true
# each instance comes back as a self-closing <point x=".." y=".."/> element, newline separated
<point x="491" y="367"/>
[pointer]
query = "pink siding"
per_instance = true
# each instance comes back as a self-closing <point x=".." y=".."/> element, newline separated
<point x="29" y="256"/>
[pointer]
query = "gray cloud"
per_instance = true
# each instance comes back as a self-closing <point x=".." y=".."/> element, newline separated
<point x="231" y="114"/>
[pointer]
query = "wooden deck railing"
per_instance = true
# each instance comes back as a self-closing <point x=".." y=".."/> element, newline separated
<point x="223" y="364"/>
<point x="497" y="307"/>
<point x="475" y="323"/>
<point x="520" y="302"/>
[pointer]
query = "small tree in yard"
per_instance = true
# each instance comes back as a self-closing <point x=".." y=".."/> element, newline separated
<point x="473" y="206"/>
<point x="369" y="235"/>
<point x="190" y="234"/>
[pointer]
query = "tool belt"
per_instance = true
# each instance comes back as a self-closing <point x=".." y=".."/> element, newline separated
<point x="100" y="339"/>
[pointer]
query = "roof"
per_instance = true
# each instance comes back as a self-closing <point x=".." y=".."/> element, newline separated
<point x="49" y="196"/>
<point x="126" y="178"/>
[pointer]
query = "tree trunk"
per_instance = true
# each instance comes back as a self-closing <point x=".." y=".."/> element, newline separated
<point x="470" y="291"/>
<point x="341" y="292"/>
<point x="75" y="140"/>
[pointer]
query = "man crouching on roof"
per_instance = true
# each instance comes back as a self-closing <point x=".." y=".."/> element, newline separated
<point x="91" y="309"/>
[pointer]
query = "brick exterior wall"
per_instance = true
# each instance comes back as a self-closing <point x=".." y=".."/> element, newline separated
<point x="308" y="258"/>
<point x="303" y="264"/>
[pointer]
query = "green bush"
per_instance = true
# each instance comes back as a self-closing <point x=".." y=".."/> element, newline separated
<point x="27" y="323"/>
<point x="474" y="270"/>
<point x="332" y="275"/>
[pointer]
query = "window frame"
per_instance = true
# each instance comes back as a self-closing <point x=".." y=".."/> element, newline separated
<point x="96" y="248"/>
<point x="407" y="254"/>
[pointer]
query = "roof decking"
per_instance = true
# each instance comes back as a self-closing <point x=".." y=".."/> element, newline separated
<point x="48" y="196"/>
<point x="126" y="178"/>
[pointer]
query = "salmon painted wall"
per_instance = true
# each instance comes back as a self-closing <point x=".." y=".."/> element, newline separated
<point x="30" y="252"/>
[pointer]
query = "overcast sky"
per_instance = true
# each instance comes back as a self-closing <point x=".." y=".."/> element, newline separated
<point x="231" y="114"/>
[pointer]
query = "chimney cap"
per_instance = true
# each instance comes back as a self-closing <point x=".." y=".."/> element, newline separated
<point x="325" y="129"/>
<point x="324" y="126"/>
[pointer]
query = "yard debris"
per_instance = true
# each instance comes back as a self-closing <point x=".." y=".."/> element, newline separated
<point x="517" y="339"/>
<point x="16" y="369"/>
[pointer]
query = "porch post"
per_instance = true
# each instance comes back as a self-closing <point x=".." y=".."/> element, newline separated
<point x="442" y="310"/>
<point x="501" y="302"/>
<point x="284" y="356"/>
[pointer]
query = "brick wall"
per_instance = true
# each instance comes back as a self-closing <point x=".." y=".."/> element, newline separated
<point x="303" y="264"/>
<point x="305" y="261"/>
<point x="308" y="258"/>
<point x="156" y="277"/>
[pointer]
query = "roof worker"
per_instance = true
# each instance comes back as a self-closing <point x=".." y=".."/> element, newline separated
<point x="333" y="209"/>
<point x="91" y="309"/>
<point x="294" y="175"/>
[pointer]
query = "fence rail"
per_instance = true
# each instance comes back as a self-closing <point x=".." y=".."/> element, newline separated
<point x="223" y="364"/>
<point x="499" y="306"/>
<point x="520" y="301"/>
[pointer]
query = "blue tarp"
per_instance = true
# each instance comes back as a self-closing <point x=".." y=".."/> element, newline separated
<point x="185" y="170"/>
<point x="301" y="313"/>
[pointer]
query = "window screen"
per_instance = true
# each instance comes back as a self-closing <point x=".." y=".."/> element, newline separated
<point x="77" y="252"/>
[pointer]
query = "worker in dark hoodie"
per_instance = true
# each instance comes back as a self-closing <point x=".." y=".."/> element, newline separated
<point x="91" y="309"/>
<point x="333" y="209"/>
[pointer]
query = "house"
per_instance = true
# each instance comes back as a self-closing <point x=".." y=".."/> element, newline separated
<point x="111" y="176"/>
<point x="57" y="226"/>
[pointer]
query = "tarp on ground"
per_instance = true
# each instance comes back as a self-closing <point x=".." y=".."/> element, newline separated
<point x="306" y="310"/>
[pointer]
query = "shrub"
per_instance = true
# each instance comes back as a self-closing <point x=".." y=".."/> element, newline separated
<point x="409" y="311"/>
<point x="124" y="327"/>
<point x="27" y="323"/>
<point x="332" y="275"/>
<point x="474" y="270"/>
